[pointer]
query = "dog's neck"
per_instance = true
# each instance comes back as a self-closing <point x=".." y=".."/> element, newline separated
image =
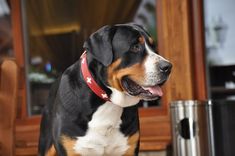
<point x="116" y="97"/>
<point x="88" y="78"/>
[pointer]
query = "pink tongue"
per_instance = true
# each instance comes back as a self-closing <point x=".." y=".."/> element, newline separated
<point x="156" y="90"/>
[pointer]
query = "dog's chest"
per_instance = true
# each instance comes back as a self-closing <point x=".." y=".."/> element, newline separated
<point x="103" y="136"/>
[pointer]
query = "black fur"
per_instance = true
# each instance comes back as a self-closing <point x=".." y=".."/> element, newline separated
<point x="71" y="103"/>
<point x="100" y="46"/>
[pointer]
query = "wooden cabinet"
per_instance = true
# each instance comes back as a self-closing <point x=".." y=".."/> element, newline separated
<point x="180" y="39"/>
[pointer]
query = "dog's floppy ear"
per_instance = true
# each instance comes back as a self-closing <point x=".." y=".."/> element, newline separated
<point x="99" y="45"/>
<point x="135" y="25"/>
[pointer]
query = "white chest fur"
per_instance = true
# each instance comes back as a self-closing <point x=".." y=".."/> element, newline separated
<point x="103" y="137"/>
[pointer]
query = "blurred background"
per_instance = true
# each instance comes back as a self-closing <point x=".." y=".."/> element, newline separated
<point x="44" y="37"/>
<point x="56" y="30"/>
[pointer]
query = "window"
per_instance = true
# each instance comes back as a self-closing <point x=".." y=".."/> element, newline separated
<point x="55" y="31"/>
<point x="220" y="31"/>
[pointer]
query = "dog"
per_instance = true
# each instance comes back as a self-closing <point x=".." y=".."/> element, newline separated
<point x="92" y="108"/>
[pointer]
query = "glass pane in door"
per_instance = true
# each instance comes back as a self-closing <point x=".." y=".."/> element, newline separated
<point x="55" y="31"/>
<point x="220" y="54"/>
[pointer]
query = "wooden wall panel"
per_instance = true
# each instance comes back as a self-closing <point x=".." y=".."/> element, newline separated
<point x="199" y="61"/>
<point x="175" y="44"/>
<point x="27" y="134"/>
<point x="18" y="45"/>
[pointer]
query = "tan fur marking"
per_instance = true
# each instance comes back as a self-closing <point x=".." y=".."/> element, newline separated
<point x="112" y="79"/>
<point x="135" y="72"/>
<point x="68" y="144"/>
<point x="132" y="142"/>
<point x="150" y="40"/>
<point x="141" y="39"/>
<point x="51" y="151"/>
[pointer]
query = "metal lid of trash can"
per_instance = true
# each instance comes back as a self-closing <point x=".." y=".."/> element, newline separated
<point x="189" y="103"/>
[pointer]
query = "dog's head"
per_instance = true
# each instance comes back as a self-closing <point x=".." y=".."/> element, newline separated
<point x="133" y="69"/>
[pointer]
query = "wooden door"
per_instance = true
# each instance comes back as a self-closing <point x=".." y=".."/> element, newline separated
<point x="180" y="28"/>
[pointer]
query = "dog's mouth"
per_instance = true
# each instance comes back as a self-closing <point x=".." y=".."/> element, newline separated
<point x="144" y="92"/>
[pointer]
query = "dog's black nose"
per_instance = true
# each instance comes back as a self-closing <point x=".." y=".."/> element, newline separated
<point x="165" y="67"/>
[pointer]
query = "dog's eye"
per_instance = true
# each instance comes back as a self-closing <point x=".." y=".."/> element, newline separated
<point x="136" y="48"/>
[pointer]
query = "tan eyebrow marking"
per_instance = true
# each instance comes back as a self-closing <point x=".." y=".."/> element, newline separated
<point x="141" y="39"/>
<point x="150" y="40"/>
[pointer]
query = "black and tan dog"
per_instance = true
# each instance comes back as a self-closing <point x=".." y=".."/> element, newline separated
<point x="92" y="108"/>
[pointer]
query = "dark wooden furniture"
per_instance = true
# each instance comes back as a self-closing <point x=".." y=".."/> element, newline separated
<point x="180" y="32"/>
<point x="8" y="99"/>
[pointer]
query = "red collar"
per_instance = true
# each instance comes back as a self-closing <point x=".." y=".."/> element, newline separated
<point x="90" y="80"/>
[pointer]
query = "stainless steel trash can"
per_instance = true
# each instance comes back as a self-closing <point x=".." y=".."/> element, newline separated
<point x="191" y="128"/>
